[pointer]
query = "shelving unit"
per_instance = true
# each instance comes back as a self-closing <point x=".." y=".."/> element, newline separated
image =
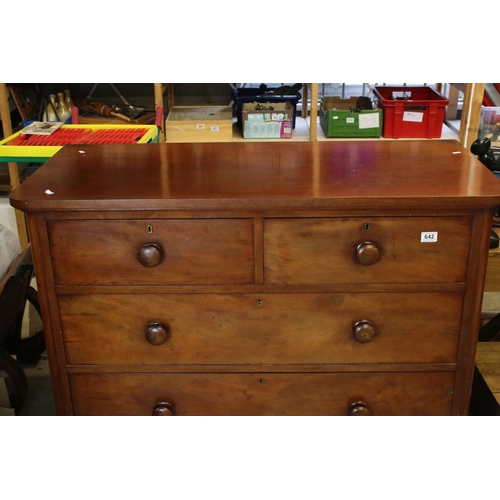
<point x="306" y="128"/>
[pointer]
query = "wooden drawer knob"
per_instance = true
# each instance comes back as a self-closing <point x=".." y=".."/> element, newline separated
<point x="367" y="253"/>
<point x="156" y="333"/>
<point x="163" y="409"/>
<point x="150" y="255"/>
<point x="359" y="408"/>
<point x="363" y="331"/>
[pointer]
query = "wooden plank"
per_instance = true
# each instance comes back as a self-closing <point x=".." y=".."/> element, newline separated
<point x="488" y="363"/>
<point x="314" y="112"/>
<point x="159" y="88"/>
<point x="13" y="171"/>
<point x="305" y="100"/>
<point x="488" y="353"/>
<point x="492" y="283"/>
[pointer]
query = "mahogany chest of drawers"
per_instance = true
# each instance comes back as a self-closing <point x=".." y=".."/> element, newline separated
<point x="330" y="278"/>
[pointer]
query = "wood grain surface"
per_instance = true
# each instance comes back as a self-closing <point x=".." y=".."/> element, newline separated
<point x="261" y="329"/>
<point x="263" y="394"/>
<point x="350" y="174"/>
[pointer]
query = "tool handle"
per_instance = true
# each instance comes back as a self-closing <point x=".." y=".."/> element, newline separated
<point x="120" y="116"/>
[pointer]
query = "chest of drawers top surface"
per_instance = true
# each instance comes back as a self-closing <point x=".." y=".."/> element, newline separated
<point x="351" y="174"/>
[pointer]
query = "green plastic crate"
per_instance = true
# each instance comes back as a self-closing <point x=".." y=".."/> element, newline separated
<point x="337" y="120"/>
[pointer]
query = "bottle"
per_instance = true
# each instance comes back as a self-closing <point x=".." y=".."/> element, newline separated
<point x="62" y="110"/>
<point x="68" y="99"/>
<point x="50" y="111"/>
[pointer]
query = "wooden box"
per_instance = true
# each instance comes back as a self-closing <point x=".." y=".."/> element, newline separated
<point x="199" y="124"/>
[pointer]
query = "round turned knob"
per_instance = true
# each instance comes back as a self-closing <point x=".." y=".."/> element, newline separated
<point x="359" y="408"/>
<point x="363" y="331"/>
<point x="150" y="255"/>
<point x="163" y="409"/>
<point x="367" y="253"/>
<point x="156" y="333"/>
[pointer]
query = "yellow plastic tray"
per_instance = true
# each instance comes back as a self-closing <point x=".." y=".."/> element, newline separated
<point x="33" y="153"/>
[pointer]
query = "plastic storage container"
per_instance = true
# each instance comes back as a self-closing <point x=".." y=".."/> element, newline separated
<point x="411" y="112"/>
<point x="489" y="125"/>
<point x="338" y="120"/>
<point x="243" y="95"/>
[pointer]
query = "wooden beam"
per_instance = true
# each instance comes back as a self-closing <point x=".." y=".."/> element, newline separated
<point x="471" y="113"/>
<point x="13" y="170"/>
<point x="305" y="100"/>
<point x="159" y="88"/>
<point x="5" y="110"/>
<point x="313" y="118"/>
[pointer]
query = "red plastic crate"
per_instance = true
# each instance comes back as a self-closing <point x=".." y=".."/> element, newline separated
<point x="411" y="112"/>
<point x="60" y="137"/>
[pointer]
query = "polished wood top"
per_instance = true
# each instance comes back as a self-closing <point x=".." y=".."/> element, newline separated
<point x="260" y="175"/>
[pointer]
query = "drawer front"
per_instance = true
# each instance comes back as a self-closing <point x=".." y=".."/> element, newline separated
<point x="263" y="393"/>
<point x="261" y="329"/>
<point x="366" y="250"/>
<point x="109" y="252"/>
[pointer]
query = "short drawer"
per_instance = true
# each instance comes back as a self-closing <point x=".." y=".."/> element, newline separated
<point x="141" y="252"/>
<point x="366" y="250"/>
<point x="263" y="393"/>
<point x="261" y="329"/>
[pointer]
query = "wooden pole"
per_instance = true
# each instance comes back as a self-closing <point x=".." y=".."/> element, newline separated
<point x="305" y="100"/>
<point x="314" y="113"/>
<point x="13" y="171"/>
<point x="471" y="113"/>
<point x="159" y="88"/>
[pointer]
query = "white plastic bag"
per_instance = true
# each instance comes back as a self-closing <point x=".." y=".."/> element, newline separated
<point x="10" y="249"/>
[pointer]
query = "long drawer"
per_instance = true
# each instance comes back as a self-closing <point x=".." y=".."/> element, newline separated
<point x="156" y="252"/>
<point x="366" y="250"/>
<point x="261" y="329"/>
<point x="263" y="394"/>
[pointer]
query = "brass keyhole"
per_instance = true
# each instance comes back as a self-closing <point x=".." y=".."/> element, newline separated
<point x="259" y="302"/>
<point x="150" y="228"/>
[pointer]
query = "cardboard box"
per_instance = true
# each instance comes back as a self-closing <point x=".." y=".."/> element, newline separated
<point x="243" y="95"/>
<point x="267" y="120"/>
<point x="199" y="124"/>
<point x="338" y="120"/>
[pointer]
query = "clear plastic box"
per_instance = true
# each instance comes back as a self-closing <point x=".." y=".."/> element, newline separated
<point x="490" y="121"/>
